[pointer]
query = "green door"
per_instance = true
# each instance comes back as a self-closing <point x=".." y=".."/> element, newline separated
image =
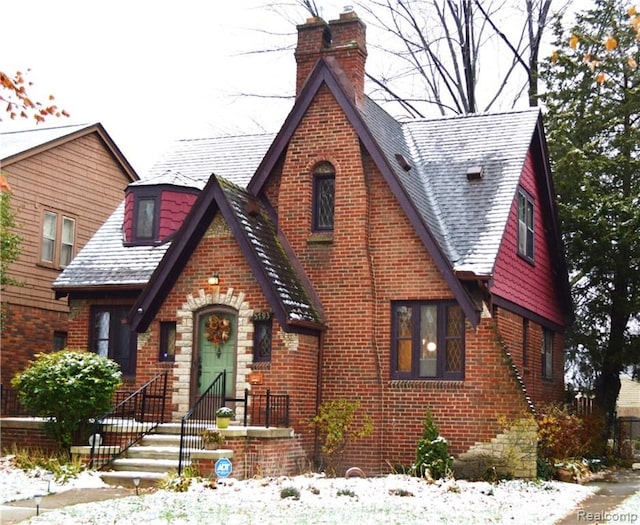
<point x="216" y="350"/>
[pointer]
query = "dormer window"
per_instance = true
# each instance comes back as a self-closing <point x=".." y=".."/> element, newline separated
<point x="146" y="222"/>
<point x="324" y="180"/>
<point x="155" y="209"/>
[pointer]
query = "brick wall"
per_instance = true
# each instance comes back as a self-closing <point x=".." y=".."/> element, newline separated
<point x="529" y="360"/>
<point x="25" y="433"/>
<point x="27" y="331"/>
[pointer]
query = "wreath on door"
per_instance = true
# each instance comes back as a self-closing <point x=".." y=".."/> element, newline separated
<point x="218" y="330"/>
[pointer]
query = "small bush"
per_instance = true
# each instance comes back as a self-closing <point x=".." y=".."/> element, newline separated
<point x="563" y="435"/>
<point x="403" y="493"/>
<point x="545" y="470"/>
<point x="346" y="492"/>
<point x="175" y="483"/>
<point x="290" y="492"/>
<point x="60" y="467"/>
<point x="433" y="458"/>
<point x="68" y="388"/>
<point x="336" y="421"/>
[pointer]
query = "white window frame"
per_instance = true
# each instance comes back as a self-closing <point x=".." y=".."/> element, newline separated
<point x="58" y="239"/>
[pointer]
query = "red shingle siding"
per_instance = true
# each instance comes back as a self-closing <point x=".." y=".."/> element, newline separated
<point x="174" y="208"/>
<point x="515" y="279"/>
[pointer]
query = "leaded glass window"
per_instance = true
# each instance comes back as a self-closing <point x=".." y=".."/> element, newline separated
<point x="323" y="196"/>
<point x="262" y="326"/>
<point x="428" y="340"/>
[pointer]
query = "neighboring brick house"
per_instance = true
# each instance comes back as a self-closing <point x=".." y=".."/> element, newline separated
<point x="411" y="265"/>
<point x="65" y="182"/>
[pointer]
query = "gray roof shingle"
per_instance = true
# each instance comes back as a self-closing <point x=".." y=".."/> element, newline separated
<point x="105" y="261"/>
<point x="261" y="235"/>
<point x="471" y="216"/>
<point x="13" y="142"/>
<point x="234" y="158"/>
<point x="467" y="219"/>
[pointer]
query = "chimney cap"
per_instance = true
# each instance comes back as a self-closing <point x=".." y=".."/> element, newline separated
<point x="347" y="9"/>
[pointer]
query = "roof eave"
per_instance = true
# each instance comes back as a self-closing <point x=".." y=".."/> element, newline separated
<point x="98" y="128"/>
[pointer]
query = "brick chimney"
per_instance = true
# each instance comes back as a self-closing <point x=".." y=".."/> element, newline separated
<point x="344" y="39"/>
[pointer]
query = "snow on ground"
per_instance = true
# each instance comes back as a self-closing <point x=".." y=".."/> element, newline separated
<point x="396" y="499"/>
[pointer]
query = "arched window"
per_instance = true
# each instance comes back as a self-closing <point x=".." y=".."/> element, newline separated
<point x="324" y="180"/>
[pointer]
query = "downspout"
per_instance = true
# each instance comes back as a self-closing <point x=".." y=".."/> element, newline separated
<point x="374" y="286"/>
<point x="316" y="437"/>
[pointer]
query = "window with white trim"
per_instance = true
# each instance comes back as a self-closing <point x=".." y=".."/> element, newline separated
<point x="57" y="244"/>
<point x="525" y="225"/>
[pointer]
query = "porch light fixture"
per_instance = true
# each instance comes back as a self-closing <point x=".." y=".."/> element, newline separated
<point x="214" y="280"/>
<point x="38" y="499"/>
<point x="136" y="483"/>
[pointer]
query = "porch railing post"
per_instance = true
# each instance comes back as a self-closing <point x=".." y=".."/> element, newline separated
<point x="246" y="405"/>
<point x="268" y="408"/>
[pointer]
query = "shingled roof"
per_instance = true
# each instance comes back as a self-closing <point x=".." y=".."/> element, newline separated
<point x="424" y="161"/>
<point x="273" y="262"/>
<point x="467" y="218"/>
<point x="271" y="259"/>
<point x="105" y="261"/>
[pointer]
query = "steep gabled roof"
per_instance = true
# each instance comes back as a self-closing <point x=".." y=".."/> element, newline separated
<point x="271" y="259"/>
<point x="379" y="139"/>
<point x="471" y="215"/>
<point x="18" y="145"/>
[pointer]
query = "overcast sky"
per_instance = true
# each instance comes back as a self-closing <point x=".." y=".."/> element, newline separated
<point x="154" y="71"/>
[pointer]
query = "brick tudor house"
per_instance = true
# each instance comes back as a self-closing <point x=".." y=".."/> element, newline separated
<point x="408" y="265"/>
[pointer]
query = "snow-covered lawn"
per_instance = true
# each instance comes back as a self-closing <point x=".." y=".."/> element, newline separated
<point x="394" y="499"/>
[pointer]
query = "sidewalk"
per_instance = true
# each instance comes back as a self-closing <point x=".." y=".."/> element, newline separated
<point x="611" y="493"/>
<point x="16" y="511"/>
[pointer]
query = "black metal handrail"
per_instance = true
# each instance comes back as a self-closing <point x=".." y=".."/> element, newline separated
<point x="200" y="416"/>
<point x="262" y="409"/>
<point x="267" y="409"/>
<point x="129" y="421"/>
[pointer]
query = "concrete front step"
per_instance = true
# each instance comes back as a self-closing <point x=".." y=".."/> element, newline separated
<point x="145" y="464"/>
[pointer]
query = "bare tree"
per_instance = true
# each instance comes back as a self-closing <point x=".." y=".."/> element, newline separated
<point x="455" y="54"/>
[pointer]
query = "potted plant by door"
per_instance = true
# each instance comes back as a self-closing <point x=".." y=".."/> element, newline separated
<point x="223" y="417"/>
<point x="212" y="438"/>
